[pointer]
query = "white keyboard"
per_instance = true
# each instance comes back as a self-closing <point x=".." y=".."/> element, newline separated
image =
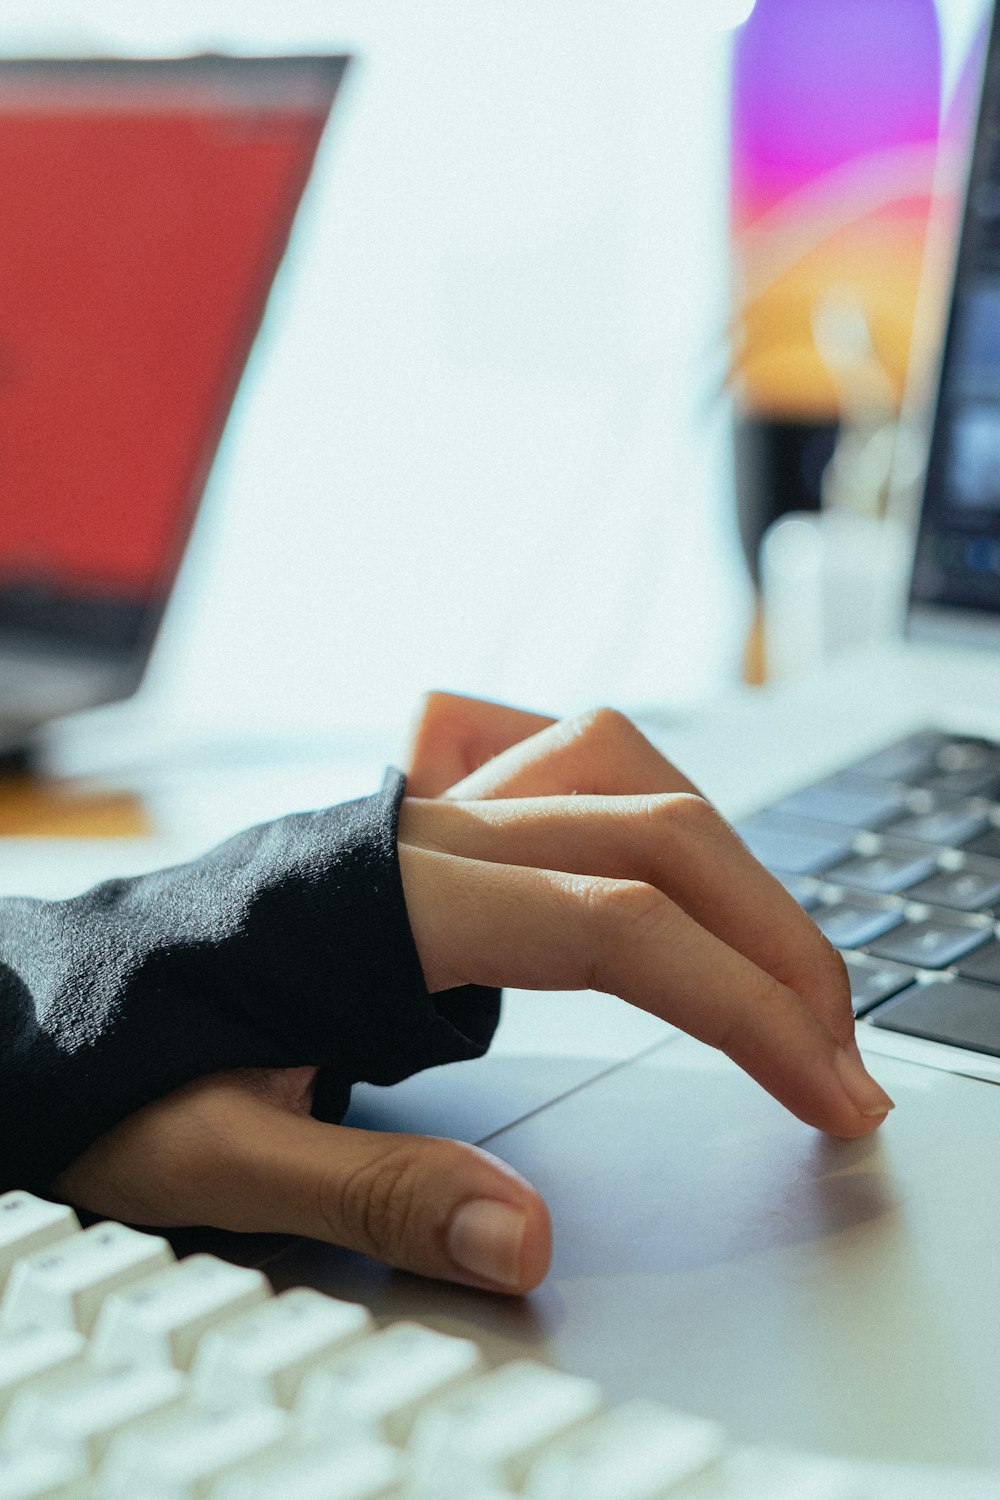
<point x="126" y="1374"/>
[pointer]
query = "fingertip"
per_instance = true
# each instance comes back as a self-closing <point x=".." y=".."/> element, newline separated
<point x="862" y="1126"/>
<point x="868" y="1097"/>
<point x="536" y="1249"/>
<point x="501" y="1246"/>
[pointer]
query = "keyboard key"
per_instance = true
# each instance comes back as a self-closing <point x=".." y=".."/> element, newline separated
<point x="28" y="1354"/>
<point x="959" y="1012"/>
<point x="948" y="828"/>
<point x="929" y="945"/>
<point x="363" y="1472"/>
<point x="39" y="1474"/>
<point x="377" y="1388"/>
<point x="980" y="781"/>
<point x="973" y="888"/>
<point x="161" y="1319"/>
<point x="886" y="873"/>
<point x="843" y="805"/>
<point x="987" y="843"/>
<point x="903" y="761"/>
<point x="64" y="1286"/>
<point x="791" y="850"/>
<point x="966" y="753"/>
<point x="264" y="1356"/>
<point x="772" y="1474"/>
<point x="873" y="982"/>
<point x="637" y="1452"/>
<point x="849" y="926"/>
<point x="28" y="1224"/>
<point x="84" y="1409"/>
<point x="183" y="1454"/>
<point x="983" y="964"/>
<point x="491" y="1431"/>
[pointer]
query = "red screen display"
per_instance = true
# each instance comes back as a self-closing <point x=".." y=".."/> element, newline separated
<point x="138" y="240"/>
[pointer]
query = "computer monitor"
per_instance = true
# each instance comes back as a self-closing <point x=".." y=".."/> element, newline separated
<point x="146" y="207"/>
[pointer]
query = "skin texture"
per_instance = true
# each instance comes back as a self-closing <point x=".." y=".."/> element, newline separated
<point x="544" y="855"/>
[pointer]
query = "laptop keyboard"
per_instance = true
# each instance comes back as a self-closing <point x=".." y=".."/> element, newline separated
<point x="128" y="1375"/>
<point x="897" y="861"/>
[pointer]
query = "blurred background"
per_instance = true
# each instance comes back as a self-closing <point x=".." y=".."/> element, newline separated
<point x="580" y="298"/>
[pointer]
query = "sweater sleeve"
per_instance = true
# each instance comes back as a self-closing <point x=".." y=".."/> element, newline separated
<point x="289" y="945"/>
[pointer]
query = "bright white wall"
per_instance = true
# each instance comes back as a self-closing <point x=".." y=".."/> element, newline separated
<point x="481" y="444"/>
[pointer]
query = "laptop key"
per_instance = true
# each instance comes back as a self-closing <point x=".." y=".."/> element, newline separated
<point x="850" y="926"/>
<point x="886" y="873"/>
<point x="873" y="982"/>
<point x="980" y="782"/>
<point x="792" y="851"/>
<point x="903" y="761"/>
<point x="982" y="964"/>
<point x="987" y="843"/>
<point x="958" y="1012"/>
<point x="929" y="945"/>
<point x="843" y="806"/>
<point x="970" y="889"/>
<point x="947" y="827"/>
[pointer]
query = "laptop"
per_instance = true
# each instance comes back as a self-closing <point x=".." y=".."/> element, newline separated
<point x="711" y="1251"/>
<point x="147" y="207"/>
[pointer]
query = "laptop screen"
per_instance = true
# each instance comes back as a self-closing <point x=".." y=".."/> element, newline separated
<point x="957" y="560"/>
<point x="146" y="206"/>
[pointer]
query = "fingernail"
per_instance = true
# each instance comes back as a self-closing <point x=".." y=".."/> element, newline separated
<point x="867" y="1096"/>
<point x="485" y="1237"/>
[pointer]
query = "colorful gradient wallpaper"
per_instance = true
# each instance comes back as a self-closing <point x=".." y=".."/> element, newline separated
<point x="837" y="117"/>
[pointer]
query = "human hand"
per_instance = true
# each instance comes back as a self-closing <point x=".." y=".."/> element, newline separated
<point x="453" y="736"/>
<point x="575" y="857"/>
<point x="240" y="1150"/>
<point x="579" y="857"/>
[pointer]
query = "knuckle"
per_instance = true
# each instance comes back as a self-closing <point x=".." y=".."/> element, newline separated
<point x="619" y="914"/>
<point x="436" y="704"/>
<point x="605" y="724"/>
<point x="687" y="811"/>
<point x="736" y="1030"/>
<point x="831" y="972"/>
<point x="728" y="1035"/>
<point x="372" y="1207"/>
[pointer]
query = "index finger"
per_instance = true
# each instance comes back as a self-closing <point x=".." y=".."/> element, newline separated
<point x="482" y="923"/>
<point x="601" y="752"/>
<point x="676" y="843"/>
<point x="453" y="736"/>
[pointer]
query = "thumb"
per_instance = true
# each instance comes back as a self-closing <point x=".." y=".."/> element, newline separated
<point x="423" y="1204"/>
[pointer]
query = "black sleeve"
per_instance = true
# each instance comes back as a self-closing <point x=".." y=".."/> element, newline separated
<point x="289" y="945"/>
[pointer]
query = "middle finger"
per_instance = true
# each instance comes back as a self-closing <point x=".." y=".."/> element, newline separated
<point x="677" y="843"/>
